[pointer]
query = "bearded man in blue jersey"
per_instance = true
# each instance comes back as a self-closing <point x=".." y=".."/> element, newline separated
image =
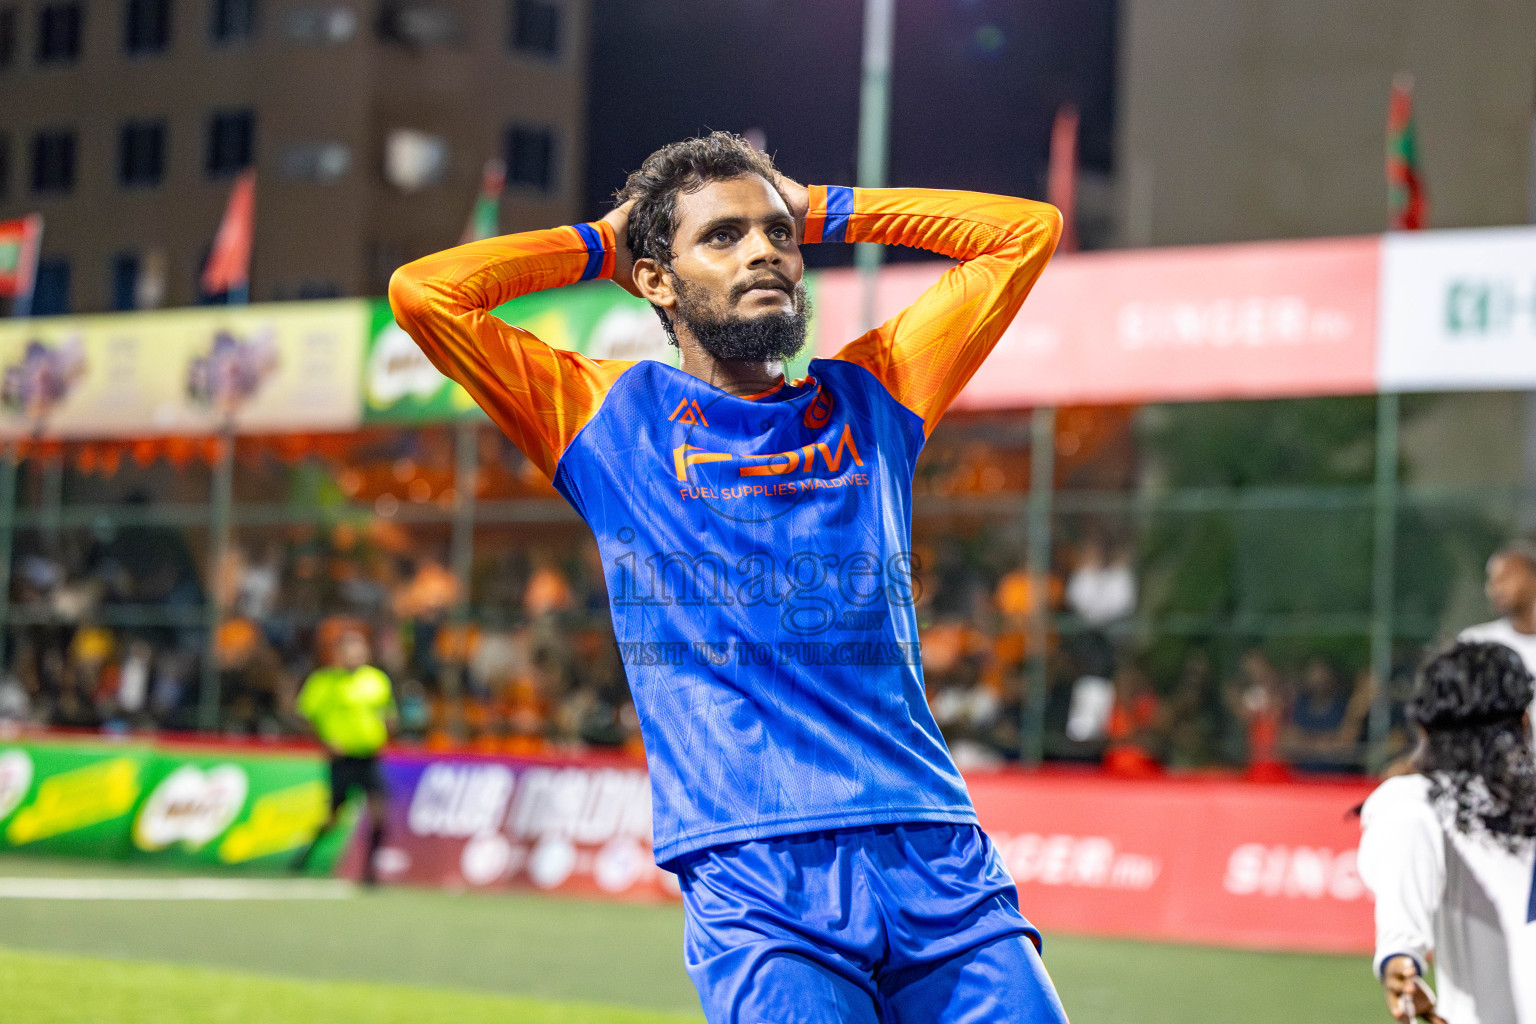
<point x="756" y="538"/>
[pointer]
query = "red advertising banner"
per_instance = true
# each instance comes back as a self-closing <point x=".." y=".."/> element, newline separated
<point x="458" y="821"/>
<point x="1223" y="862"/>
<point x="1270" y="319"/>
<point x="1229" y="863"/>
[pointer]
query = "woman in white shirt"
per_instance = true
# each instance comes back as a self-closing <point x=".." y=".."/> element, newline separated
<point x="1450" y="852"/>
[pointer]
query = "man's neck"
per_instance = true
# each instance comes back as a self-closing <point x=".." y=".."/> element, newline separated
<point x="1524" y="621"/>
<point x="737" y="378"/>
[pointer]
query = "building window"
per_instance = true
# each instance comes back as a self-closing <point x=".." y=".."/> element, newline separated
<point x="414" y="160"/>
<point x="418" y="25"/>
<point x="146" y="26"/>
<point x="7" y="36"/>
<point x="231" y="142"/>
<point x="536" y="27"/>
<point x="232" y="20"/>
<point x="50" y="295"/>
<point x="530" y="157"/>
<point x="320" y="26"/>
<point x="141" y="153"/>
<point x="53" y="161"/>
<point x="315" y="161"/>
<point x="58" y="33"/>
<point x="319" y="288"/>
<point x="125" y="281"/>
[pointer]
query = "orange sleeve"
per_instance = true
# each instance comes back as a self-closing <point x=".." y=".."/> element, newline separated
<point x="927" y="352"/>
<point x="539" y="396"/>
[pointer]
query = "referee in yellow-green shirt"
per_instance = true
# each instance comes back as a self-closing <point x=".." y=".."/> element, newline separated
<point x="352" y="710"/>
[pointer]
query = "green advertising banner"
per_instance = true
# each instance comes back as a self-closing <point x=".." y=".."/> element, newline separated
<point x="69" y="799"/>
<point x="597" y="319"/>
<point x="195" y="808"/>
<point x="234" y="811"/>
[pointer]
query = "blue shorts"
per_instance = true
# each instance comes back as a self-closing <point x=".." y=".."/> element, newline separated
<point x="895" y="924"/>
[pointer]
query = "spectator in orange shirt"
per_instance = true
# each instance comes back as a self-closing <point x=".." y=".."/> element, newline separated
<point x="1137" y="725"/>
<point x="1258" y="701"/>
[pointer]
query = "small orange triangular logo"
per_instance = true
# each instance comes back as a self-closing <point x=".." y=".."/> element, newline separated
<point x="688" y="411"/>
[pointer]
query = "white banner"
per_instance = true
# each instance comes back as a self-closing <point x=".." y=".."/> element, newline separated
<point x="1458" y="311"/>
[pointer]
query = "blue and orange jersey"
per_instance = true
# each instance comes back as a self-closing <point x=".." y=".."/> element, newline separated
<point x="757" y="550"/>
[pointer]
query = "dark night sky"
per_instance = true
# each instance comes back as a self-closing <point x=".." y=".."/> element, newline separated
<point x="976" y="84"/>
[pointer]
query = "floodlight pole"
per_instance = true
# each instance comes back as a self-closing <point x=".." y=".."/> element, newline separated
<point x="221" y="500"/>
<point x="8" y="470"/>
<point x="210" y="699"/>
<point x="1383" y="571"/>
<point x="1037" y="637"/>
<point x="874" y="132"/>
<point x="466" y="472"/>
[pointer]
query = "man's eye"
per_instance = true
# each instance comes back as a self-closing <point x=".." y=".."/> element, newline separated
<point x="781" y="233"/>
<point x="722" y="236"/>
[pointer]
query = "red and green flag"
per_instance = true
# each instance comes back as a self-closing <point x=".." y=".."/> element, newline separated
<point x="1405" y="184"/>
<point x="485" y="218"/>
<point x="1061" y="178"/>
<point x="228" y="270"/>
<point x="19" y="242"/>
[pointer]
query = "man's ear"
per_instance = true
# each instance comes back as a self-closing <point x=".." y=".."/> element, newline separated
<point x="654" y="283"/>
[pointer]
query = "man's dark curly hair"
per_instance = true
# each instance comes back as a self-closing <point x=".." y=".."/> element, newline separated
<point x="1470" y="702"/>
<point x="673" y="170"/>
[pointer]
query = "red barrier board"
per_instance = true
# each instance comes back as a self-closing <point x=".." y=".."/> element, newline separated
<point x="1223" y="862"/>
<point x="580" y="827"/>
<point x="1259" y="320"/>
<point x="1220" y="861"/>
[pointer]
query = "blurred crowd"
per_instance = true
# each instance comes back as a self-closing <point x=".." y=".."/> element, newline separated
<point x="545" y="674"/>
<point x="1133" y="705"/>
<point x="535" y="668"/>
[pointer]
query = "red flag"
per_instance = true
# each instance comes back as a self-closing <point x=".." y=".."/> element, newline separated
<point x="19" y="241"/>
<point x="229" y="264"/>
<point x="1406" y="203"/>
<point x="1061" y="182"/>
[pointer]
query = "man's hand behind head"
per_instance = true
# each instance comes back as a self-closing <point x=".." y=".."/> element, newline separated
<point x="798" y="198"/>
<point x="623" y="259"/>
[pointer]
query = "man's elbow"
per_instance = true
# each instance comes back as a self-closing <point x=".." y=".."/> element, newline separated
<point x="1040" y="225"/>
<point x="407" y="295"/>
<point x="1036" y="229"/>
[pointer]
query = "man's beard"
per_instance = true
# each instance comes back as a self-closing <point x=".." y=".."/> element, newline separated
<point x="770" y="337"/>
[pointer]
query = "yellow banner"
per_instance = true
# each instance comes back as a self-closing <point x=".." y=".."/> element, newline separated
<point x="282" y="367"/>
<point x="76" y="799"/>
<point x="279" y="821"/>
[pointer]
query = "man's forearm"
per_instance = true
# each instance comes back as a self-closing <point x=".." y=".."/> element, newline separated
<point x="960" y="225"/>
<point x="927" y="352"/>
<point x="484" y="275"/>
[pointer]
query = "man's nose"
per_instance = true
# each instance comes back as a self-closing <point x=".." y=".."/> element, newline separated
<point x="760" y="249"/>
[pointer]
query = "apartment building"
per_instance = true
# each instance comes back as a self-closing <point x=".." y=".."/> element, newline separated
<point x="125" y="122"/>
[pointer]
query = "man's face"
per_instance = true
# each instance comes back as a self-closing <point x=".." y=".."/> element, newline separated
<point x="1511" y="584"/>
<point x="737" y="271"/>
<point x="352" y="651"/>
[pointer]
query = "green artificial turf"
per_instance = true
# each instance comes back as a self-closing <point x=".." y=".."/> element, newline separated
<point x="402" y="944"/>
<point x="48" y="988"/>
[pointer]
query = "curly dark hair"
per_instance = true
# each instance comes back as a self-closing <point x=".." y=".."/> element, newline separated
<point x="671" y="171"/>
<point x="1471" y="700"/>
